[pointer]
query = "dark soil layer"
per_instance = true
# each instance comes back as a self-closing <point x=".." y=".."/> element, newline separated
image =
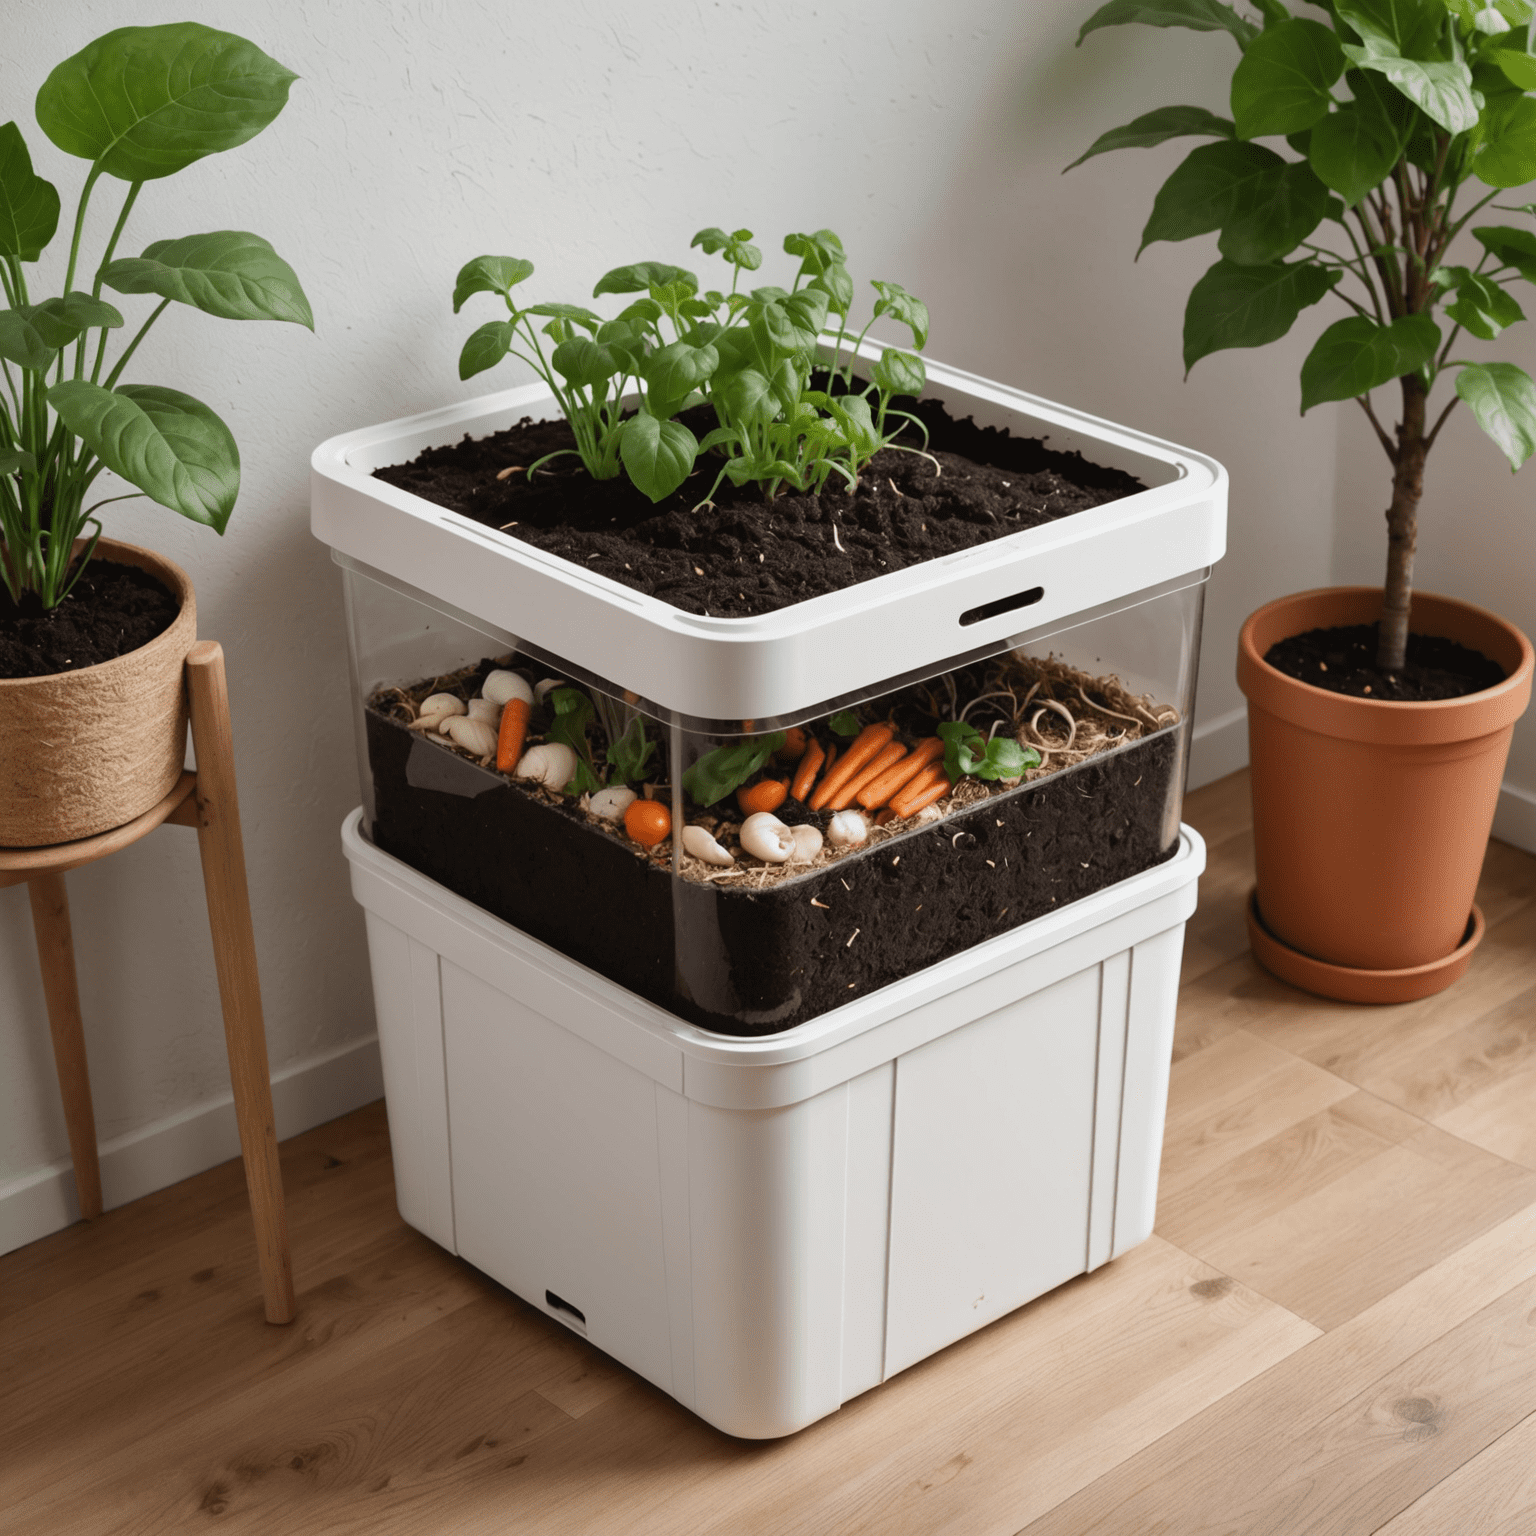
<point x="112" y="610"/>
<point x="1343" y="660"/>
<point x="746" y="555"/>
<point x="755" y="962"/>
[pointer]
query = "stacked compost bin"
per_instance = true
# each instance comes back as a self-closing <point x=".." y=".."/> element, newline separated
<point x="770" y="1130"/>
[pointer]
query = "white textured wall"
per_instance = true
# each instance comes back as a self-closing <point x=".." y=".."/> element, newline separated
<point x="582" y="134"/>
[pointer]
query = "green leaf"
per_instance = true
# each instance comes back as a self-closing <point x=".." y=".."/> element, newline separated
<point x="489" y="274"/>
<point x="1482" y="306"/>
<point x="748" y="397"/>
<point x="1411" y="27"/>
<point x="486" y="347"/>
<point x="29" y="206"/>
<point x="1519" y="68"/>
<point x="1235" y="306"/>
<point x="1281" y="84"/>
<point x="1507" y="157"/>
<point x="1266" y="231"/>
<point x="851" y="412"/>
<point x="641" y="277"/>
<point x="845" y="723"/>
<point x="1442" y="91"/>
<point x="1503" y="399"/>
<point x="1214" y="185"/>
<point x="584" y="363"/>
<point x="1355" y="356"/>
<point x="899" y="373"/>
<point x="673" y="372"/>
<point x="16" y="458"/>
<point x="145" y="102"/>
<point x="1274" y="12"/>
<point x="630" y="755"/>
<point x="1513" y="247"/>
<point x="835" y="282"/>
<point x="573" y="713"/>
<point x="723" y="771"/>
<point x="168" y="444"/>
<point x="967" y="751"/>
<point x="734" y="247"/>
<point x="1353" y="151"/>
<point x="900" y="305"/>
<point x="817" y="252"/>
<point x="1153" y="128"/>
<point x="31" y="334"/>
<point x="1198" y="15"/>
<point x="658" y="454"/>
<point x="228" y="273"/>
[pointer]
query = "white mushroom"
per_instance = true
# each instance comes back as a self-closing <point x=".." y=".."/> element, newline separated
<point x="542" y="690"/>
<point x="701" y="845"/>
<point x="473" y="735"/>
<point x="765" y="837"/>
<point x="611" y="804"/>
<point x="807" y="844"/>
<point x="485" y="709"/>
<point x="553" y="764"/>
<point x="437" y="708"/>
<point x="847" y="830"/>
<point x="500" y="687"/>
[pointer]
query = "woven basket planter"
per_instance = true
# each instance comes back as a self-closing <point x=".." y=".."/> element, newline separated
<point x="83" y="752"/>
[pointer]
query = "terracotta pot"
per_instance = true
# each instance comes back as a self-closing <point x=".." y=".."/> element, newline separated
<point x="1371" y="817"/>
<point x="83" y="752"/>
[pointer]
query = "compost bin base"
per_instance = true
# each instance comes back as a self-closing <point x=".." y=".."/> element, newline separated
<point x="756" y="962"/>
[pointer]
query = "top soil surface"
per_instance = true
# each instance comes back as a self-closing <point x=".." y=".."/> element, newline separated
<point x="746" y="555"/>
<point x="112" y="609"/>
<point x="1343" y="660"/>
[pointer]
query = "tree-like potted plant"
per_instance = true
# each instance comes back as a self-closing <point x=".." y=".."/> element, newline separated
<point x="93" y="633"/>
<point x="1374" y="778"/>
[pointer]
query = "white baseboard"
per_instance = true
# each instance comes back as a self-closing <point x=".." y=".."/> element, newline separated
<point x="304" y="1095"/>
<point x="1515" y="820"/>
<point x="1218" y="747"/>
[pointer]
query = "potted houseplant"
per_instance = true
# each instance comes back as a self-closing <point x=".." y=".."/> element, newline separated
<point x="95" y="632"/>
<point x="1379" y="720"/>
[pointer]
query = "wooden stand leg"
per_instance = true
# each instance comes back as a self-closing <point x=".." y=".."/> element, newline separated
<point x="234" y="950"/>
<point x="56" y="956"/>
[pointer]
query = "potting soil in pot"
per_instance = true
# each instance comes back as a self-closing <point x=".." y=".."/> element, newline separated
<point x="749" y="947"/>
<point x="111" y="610"/>
<point x="1342" y="659"/>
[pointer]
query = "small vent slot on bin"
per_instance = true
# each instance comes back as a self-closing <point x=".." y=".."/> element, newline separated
<point x="573" y="1316"/>
<point x="1003" y="605"/>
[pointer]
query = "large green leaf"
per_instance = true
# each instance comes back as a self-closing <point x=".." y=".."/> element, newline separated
<point x="1412" y="27"/>
<point x="1355" y="356"/>
<point x="1519" y="68"/>
<point x="1153" y="128"/>
<point x="489" y="274"/>
<point x="657" y="454"/>
<point x="1503" y="399"/>
<point x="1213" y="185"/>
<point x="1269" y="229"/>
<point x="642" y="276"/>
<point x="673" y="372"/>
<point x="31" y="334"/>
<point x="1198" y="15"/>
<point x="1442" y="91"/>
<point x="899" y="373"/>
<point x="1507" y="157"/>
<point x="168" y="444"/>
<point x="583" y="363"/>
<point x="1282" y="83"/>
<point x="894" y="301"/>
<point x="1513" y="247"/>
<point x="1482" y="306"/>
<point x="486" y="347"/>
<point x="1235" y="306"/>
<point x="144" y="102"/>
<point x="29" y="206"/>
<point x="227" y="272"/>
<point x="1353" y="151"/>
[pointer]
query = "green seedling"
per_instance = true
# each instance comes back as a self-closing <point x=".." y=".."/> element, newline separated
<point x="723" y="771"/>
<point x="845" y="723"/>
<point x="629" y="754"/>
<point x="967" y="751"/>
<point x="573" y="713"/>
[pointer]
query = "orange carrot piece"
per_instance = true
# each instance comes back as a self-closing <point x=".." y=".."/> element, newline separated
<point x="886" y="758"/>
<point x="865" y="748"/>
<point x="805" y="774"/>
<point x="795" y="743"/>
<point x="765" y="795"/>
<point x="877" y="791"/>
<point x="916" y="794"/>
<point x="509" y="739"/>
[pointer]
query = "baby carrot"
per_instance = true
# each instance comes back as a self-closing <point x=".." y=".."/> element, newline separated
<point x="766" y="795"/>
<point x="915" y="796"/>
<point x="875" y="792"/>
<point x="886" y="758"/>
<point x="805" y="774"/>
<point x="795" y="740"/>
<point x="509" y="740"/>
<point x="867" y="746"/>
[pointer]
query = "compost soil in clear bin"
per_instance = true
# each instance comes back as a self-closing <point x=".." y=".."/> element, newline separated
<point x="744" y="961"/>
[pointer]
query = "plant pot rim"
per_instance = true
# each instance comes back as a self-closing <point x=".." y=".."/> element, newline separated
<point x="117" y="552"/>
<point x="1401" y="721"/>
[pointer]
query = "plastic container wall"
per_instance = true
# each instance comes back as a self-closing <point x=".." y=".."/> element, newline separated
<point x="789" y="865"/>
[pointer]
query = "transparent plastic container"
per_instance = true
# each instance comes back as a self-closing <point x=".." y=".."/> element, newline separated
<point x="747" y="945"/>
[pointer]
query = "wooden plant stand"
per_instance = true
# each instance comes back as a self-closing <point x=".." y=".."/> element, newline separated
<point x="205" y="800"/>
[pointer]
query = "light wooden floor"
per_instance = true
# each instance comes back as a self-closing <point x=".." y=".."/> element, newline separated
<point x="1333" y="1330"/>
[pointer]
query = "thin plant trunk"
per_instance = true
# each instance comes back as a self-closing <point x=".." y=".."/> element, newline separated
<point x="1403" y="529"/>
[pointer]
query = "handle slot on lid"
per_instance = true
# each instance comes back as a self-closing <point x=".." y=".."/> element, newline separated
<point x="1003" y="605"/>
